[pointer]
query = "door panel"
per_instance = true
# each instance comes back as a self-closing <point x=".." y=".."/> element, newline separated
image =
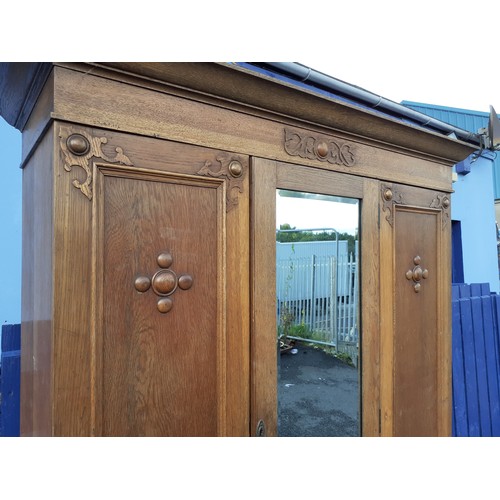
<point x="415" y="339"/>
<point x="415" y="312"/>
<point x="160" y="373"/>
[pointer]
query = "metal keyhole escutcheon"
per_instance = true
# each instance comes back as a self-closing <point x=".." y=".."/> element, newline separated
<point x="261" y="429"/>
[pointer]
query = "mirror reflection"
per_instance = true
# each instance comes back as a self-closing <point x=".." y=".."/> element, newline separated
<point x="317" y="291"/>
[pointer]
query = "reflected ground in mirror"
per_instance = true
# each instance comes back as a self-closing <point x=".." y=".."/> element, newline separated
<point x="317" y="314"/>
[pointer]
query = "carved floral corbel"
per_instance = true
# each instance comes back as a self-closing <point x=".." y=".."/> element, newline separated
<point x="230" y="168"/>
<point x="78" y="148"/>
<point x="390" y="197"/>
<point x="442" y="202"/>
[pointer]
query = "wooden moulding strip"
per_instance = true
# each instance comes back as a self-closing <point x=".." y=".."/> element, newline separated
<point x="263" y="297"/>
<point x="370" y="310"/>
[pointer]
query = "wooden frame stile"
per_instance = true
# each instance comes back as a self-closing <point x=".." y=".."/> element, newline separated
<point x="96" y="332"/>
<point x="444" y="353"/>
<point x="236" y="317"/>
<point x="72" y="314"/>
<point x="37" y="372"/>
<point x="386" y="326"/>
<point x="96" y="320"/>
<point x="27" y="298"/>
<point x="370" y="309"/>
<point x="264" y="347"/>
<point x="222" y="413"/>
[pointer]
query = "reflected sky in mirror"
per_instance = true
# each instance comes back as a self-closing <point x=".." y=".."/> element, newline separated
<point x="306" y="210"/>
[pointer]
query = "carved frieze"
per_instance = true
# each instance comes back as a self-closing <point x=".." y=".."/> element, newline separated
<point x="230" y="168"/>
<point x="78" y="148"/>
<point x="317" y="147"/>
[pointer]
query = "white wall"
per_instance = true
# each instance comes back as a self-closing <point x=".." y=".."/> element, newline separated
<point x="473" y="204"/>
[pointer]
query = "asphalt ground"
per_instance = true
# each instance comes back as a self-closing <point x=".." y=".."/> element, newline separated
<point x="318" y="395"/>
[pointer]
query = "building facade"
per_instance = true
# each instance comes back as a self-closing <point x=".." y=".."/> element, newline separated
<point x="475" y="210"/>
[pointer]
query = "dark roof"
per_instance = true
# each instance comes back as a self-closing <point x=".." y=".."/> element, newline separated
<point x="307" y="78"/>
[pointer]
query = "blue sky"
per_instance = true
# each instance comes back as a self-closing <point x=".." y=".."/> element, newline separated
<point x="10" y="224"/>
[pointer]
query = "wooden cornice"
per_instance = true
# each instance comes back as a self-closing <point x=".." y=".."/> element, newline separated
<point x="20" y="87"/>
<point x="234" y="86"/>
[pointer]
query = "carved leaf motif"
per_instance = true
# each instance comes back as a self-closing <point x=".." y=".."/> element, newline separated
<point x="442" y="202"/>
<point x="235" y="182"/>
<point x="207" y="170"/>
<point x="390" y="197"/>
<point x="318" y="148"/>
<point x="88" y="147"/>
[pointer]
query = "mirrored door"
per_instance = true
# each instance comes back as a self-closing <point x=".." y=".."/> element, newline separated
<point x="317" y="314"/>
<point x="315" y="302"/>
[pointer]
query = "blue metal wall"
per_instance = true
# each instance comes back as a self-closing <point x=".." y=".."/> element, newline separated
<point x="462" y="118"/>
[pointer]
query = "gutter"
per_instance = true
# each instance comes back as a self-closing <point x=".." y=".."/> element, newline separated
<point x="307" y="75"/>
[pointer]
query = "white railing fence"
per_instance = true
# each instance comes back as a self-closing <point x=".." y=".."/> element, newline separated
<point x="319" y="297"/>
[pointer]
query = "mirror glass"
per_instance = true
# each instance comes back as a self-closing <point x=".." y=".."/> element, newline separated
<point x="317" y="292"/>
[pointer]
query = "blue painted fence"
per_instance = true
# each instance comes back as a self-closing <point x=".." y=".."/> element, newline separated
<point x="476" y="361"/>
<point x="10" y="377"/>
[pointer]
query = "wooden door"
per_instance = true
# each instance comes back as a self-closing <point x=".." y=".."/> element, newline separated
<point x="415" y="311"/>
<point x="168" y="292"/>
<point x="267" y="176"/>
